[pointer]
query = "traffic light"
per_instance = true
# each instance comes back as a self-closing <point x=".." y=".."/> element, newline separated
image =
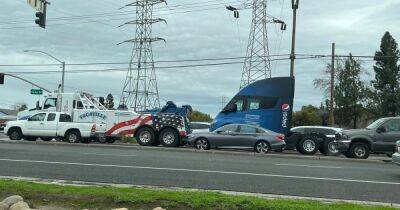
<point x="1" y="79"/>
<point x="41" y="19"/>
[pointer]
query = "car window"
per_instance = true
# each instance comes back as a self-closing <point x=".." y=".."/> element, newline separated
<point x="239" y="104"/>
<point x="65" y="118"/>
<point x="38" y="117"/>
<point x="247" y="129"/>
<point x="51" y="117"/>
<point x="225" y="128"/>
<point x="392" y="126"/>
<point x="260" y="130"/>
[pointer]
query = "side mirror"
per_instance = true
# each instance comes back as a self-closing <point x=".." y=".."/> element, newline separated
<point x="381" y="129"/>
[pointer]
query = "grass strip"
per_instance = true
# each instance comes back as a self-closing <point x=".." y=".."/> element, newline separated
<point x="105" y="197"/>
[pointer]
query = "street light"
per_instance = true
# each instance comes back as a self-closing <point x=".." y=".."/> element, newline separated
<point x="62" y="63"/>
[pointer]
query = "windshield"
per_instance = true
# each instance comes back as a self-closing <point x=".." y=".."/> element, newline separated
<point x="375" y="124"/>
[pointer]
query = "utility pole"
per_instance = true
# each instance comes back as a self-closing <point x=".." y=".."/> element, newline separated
<point x="331" y="116"/>
<point x="295" y="6"/>
<point x="63" y="76"/>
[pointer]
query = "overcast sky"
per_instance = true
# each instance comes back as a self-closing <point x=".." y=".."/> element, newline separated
<point x="355" y="26"/>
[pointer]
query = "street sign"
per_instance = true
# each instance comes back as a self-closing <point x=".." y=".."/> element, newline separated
<point x="36" y="92"/>
<point x="37" y="4"/>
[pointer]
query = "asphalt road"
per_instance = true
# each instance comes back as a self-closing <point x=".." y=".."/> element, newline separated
<point x="350" y="180"/>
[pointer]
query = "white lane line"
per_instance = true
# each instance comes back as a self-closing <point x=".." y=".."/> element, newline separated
<point x="102" y="154"/>
<point x="309" y="166"/>
<point x="204" y="171"/>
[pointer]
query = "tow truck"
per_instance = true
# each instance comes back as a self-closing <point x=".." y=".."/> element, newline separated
<point x="149" y="129"/>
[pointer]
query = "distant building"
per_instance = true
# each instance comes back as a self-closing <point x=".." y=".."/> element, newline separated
<point x="7" y="115"/>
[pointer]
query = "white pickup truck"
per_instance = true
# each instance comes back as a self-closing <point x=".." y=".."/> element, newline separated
<point x="49" y="125"/>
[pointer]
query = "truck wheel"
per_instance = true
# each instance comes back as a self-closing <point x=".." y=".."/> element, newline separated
<point x="308" y="145"/>
<point x="169" y="137"/>
<point x="145" y="136"/>
<point x="329" y="148"/>
<point x="73" y="137"/>
<point x="15" y="134"/>
<point x="359" y="150"/>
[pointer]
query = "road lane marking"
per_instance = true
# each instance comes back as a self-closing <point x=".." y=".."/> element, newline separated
<point x="204" y="171"/>
<point x="102" y="154"/>
<point x="309" y="166"/>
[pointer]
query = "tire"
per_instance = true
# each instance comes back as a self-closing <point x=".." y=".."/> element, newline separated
<point x="145" y="136"/>
<point x="15" y="134"/>
<point x="329" y="148"/>
<point x="262" y="147"/>
<point x="308" y="145"/>
<point x="169" y="137"/>
<point x="202" y="144"/>
<point x="73" y="137"/>
<point x="46" y="138"/>
<point x="102" y="140"/>
<point x="359" y="150"/>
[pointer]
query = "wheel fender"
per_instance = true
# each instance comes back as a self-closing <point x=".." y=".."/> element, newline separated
<point x="14" y="127"/>
<point x="362" y="139"/>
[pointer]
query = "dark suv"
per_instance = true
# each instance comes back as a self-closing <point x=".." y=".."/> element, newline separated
<point x="309" y="139"/>
<point x="379" y="137"/>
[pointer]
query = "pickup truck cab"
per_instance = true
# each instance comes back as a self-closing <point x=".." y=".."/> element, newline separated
<point x="49" y="125"/>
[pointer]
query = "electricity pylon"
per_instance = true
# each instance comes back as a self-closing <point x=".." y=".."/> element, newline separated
<point x="140" y="90"/>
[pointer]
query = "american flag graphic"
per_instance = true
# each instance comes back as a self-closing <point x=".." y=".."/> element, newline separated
<point x="162" y="120"/>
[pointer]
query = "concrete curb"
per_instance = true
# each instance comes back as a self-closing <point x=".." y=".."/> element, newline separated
<point x="233" y="193"/>
<point x="215" y="152"/>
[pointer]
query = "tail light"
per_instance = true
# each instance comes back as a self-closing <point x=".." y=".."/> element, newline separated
<point x="93" y="130"/>
<point x="280" y="137"/>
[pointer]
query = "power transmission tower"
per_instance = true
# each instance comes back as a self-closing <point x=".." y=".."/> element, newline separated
<point x="140" y="90"/>
<point x="257" y="63"/>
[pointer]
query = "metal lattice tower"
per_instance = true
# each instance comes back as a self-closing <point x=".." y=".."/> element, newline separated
<point x="257" y="63"/>
<point x="140" y="90"/>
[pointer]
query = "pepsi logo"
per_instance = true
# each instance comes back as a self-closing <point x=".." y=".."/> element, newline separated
<point x="285" y="107"/>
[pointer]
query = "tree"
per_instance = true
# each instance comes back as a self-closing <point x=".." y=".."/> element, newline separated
<point x="109" y="101"/>
<point x="308" y="115"/>
<point x="21" y="106"/>
<point x="197" y="116"/>
<point x="349" y="93"/>
<point x="386" y="95"/>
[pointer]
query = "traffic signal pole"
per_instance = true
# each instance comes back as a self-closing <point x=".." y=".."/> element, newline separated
<point x="27" y="81"/>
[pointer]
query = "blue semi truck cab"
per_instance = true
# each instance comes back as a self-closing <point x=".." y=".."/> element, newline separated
<point x="267" y="103"/>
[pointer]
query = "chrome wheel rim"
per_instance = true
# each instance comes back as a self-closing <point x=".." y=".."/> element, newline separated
<point x="168" y="138"/>
<point x="145" y="137"/>
<point x="309" y="145"/>
<point x="201" y="144"/>
<point x="360" y="151"/>
<point x="332" y="148"/>
<point x="262" y="147"/>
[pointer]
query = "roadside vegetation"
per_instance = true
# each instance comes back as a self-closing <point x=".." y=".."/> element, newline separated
<point x="96" y="197"/>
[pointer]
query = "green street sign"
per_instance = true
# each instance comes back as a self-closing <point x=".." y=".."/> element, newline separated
<point x="36" y="91"/>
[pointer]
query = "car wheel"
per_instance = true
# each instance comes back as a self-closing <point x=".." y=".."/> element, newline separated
<point x="308" y="145"/>
<point x="330" y="148"/>
<point x="73" y="137"/>
<point x="169" y="137"/>
<point x="46" y="138"/>
<point x="145" y="136"/>
<point x="359" y="150"/>
<point x="15" y="134"/>
<point x="202" y="144"/>
<point x="262" y="147"/>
